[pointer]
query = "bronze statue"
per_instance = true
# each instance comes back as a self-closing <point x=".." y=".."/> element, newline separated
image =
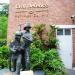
<point x="16" y="56"/>
<point x="27" y="40"/>
<point x="20" y="51"/>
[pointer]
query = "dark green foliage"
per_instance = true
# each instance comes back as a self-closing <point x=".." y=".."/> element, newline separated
<point x="3" y="42"/>
<point x="4" y="54"/>
<point x="57" y="72"/>
<point x="52" y="41"/>
<point x="48" y="61"/>
<point x="48" y="58"/>
<point x="37" y="58"/>
<point x="53" y="63"/>
<point x="3" y="26"/>
<point x="5" y="9"/>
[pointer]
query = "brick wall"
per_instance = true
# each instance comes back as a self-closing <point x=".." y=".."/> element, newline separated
<point x="61" y="10"/>
<point x="73" y="32"/>
<point x="57" y="12"/>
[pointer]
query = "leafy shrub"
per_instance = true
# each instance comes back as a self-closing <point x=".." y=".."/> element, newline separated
<point x="57" y="72"/>
<point x="39" y="29"/>
<point x="3" y="26"/>
<point x="49" y="61"/>
<point x="46" y="58"/>
<point x="38" y="43"/>
<point x="40" y="32"/>
<point x="54" y="63"/>
<point x="2" y="42"/>
<point x="53" y="43"/>
<point x="4" y="54"/>
<point x="36" y="58"/>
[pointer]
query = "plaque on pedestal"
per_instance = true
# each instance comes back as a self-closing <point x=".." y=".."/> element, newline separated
<point x="26" y="72"/>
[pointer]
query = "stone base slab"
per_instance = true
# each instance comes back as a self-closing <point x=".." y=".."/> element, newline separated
<point x="26" y="72"/>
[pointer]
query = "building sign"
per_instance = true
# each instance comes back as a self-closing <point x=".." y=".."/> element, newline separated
<point x="35" y="10"/>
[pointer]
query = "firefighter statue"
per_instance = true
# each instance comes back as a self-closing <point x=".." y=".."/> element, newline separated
<point x="16" y="56"/>
<point x="27" y="40"/>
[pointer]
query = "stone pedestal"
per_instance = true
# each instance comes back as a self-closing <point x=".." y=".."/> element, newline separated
<point x="26" y="72"/>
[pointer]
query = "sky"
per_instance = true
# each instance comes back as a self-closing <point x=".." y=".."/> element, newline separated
<point x="4" y="1"/>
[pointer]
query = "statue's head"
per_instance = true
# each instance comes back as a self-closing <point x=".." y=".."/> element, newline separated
<point x="27" y="26"/>
<point x="18" y="36"/>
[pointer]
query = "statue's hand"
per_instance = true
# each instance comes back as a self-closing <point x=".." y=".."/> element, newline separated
<point x="21" y="48"/>
<point x="14" y="51"/>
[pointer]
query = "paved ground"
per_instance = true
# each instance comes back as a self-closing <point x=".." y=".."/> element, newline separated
<point x="7" y="72"/>
<point x="3" y="71"/>
<point x="39" y="73"/>
<point x="71" y="72"/>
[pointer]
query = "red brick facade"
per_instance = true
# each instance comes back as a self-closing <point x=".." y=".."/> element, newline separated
<point x="73" y="32"/>
<point x="40" y="11"/>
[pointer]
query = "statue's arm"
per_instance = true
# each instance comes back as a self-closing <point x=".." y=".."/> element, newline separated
<point x="12" y="48"/>
<point x="29" y="38"/>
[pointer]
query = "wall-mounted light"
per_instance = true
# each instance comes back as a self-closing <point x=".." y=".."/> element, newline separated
<point x="73" y="19"/>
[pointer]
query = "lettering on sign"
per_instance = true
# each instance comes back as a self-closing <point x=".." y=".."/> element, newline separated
<point x="24" y="6"/>
<point x="31" y="10"/>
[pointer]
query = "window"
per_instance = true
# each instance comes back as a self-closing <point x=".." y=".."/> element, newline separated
<point x="59" y="31"/>
<point x="67" y="31"/>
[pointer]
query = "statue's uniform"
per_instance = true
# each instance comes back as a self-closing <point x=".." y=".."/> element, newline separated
<point x="16" y="56"/>
<point x="27" y="40"/>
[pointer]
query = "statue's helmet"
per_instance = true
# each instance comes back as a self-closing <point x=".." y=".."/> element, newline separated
<point x="27" y="25"/>
<point x="18" y="33"/>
